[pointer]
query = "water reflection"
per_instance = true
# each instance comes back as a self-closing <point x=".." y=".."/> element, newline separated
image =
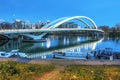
<point x="10" y="45"/>
<point x="2" y="42"/>
<point x="64" y="44"/>
<point x="48" y="43"/>
<point x="110" y="43"/>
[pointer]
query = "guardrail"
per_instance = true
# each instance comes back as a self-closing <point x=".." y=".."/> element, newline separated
<point x="8" y="31"/>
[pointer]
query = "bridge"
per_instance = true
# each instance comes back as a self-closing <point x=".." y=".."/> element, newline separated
<point x="53" y="27"/>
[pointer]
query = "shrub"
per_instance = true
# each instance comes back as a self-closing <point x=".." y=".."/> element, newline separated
<point x="21" y="71"/>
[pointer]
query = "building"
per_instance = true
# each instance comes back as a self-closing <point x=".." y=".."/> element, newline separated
<point x="68" y="25"/>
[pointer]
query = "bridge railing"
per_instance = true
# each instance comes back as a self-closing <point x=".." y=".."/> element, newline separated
<point x="7" y="31"/>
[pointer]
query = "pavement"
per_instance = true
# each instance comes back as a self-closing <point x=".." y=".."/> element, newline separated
<point x="63" y="61"/>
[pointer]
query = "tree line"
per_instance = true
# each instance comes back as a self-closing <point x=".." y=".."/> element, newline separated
<point x="111" y="31"/>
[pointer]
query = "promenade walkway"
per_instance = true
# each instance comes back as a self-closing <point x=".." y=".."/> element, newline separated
<point x="63" y="61"/>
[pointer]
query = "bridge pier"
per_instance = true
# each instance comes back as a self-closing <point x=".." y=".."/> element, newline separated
<point x="94" y="34"/>
<point x="90" y="33"/>
<point x="34" y="37"/>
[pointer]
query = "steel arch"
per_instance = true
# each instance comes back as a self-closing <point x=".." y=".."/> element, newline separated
<point x="62" y="20"/>
<point x="74" y="17"/>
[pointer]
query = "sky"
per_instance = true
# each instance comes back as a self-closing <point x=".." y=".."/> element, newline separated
<point x="103" y="12"/>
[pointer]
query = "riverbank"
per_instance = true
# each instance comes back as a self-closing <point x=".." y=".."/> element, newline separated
<point x="58" y="69"/>
<point x="63" y="61"/>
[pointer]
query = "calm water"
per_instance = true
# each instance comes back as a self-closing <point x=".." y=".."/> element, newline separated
<point x="65" y="44"/>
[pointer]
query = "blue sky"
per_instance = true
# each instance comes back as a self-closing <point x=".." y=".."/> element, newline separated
<point x="103" y="12"/>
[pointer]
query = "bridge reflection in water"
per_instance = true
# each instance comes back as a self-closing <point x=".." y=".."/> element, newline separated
<point x="53" y="44"/>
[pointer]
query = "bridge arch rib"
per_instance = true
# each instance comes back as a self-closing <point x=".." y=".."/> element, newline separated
<point x="65" y="19"/>
<point x="54" y="22"/>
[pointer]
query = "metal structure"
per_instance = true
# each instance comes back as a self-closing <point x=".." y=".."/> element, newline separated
<point x="52" y="27"/>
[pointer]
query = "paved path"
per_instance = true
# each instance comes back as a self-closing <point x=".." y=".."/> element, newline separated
<point x="63" y="61"/>
<point x="76" y="62"/>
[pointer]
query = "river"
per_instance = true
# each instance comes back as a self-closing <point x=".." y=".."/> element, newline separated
<point x="56" y="43"/>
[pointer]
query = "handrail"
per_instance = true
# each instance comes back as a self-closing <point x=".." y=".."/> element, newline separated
<point x="46" y="30"/>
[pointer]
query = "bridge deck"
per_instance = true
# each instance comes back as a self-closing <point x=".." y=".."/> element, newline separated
<point x="45" y="30"/>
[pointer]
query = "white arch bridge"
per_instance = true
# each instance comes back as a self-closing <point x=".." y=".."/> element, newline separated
<point x="53" y="27"/>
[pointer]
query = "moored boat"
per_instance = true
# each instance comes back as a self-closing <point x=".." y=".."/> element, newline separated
<point x="5" y="54"/>
<point x="16" y="52"/>
<point x="69" y="55"/>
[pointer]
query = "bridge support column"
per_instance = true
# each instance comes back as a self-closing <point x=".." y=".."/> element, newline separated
<point x="99" y="34"/>
<point x="93" y="34"/>
<point x="35" y="37"/>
